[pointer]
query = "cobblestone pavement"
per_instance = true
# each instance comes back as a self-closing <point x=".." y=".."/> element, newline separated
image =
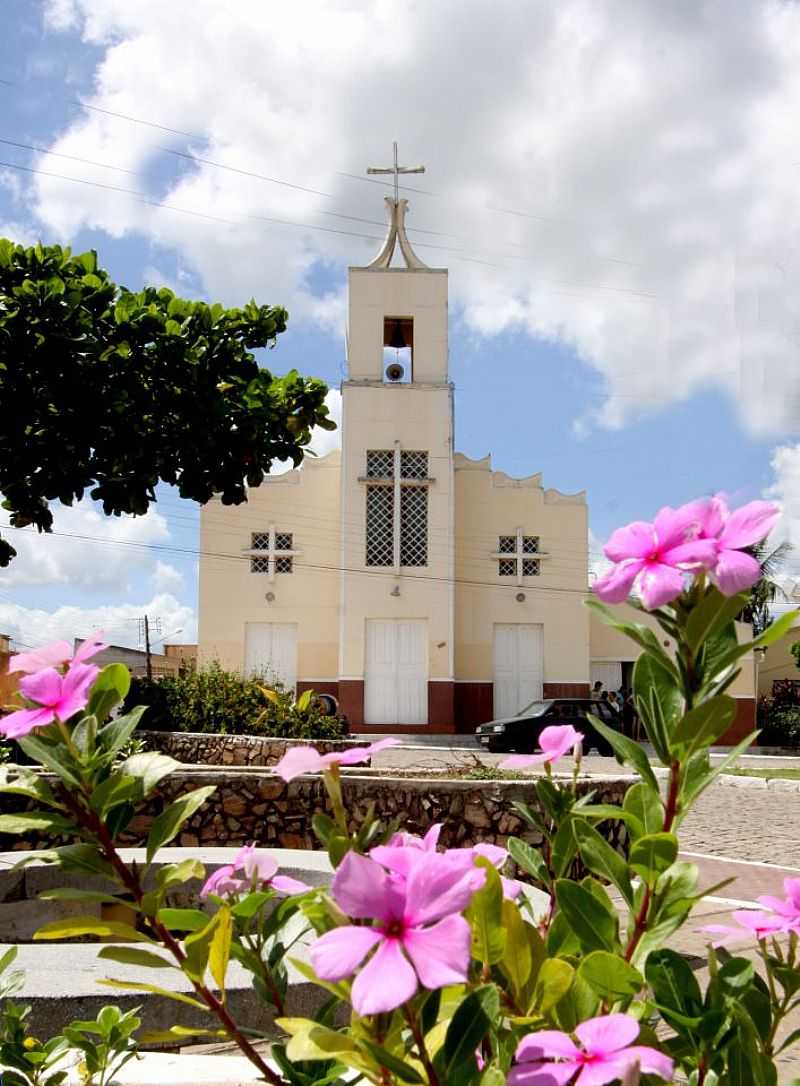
<point x="745" y="823"/>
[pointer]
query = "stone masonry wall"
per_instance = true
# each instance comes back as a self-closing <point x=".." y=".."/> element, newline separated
<point x="202" y="748"/>
<point x="255" y="805"/>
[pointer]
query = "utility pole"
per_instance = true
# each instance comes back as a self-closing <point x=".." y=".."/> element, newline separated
<point x="148" y="657"/>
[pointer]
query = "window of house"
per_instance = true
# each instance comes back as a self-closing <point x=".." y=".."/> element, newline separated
<point x="380" y="526"/>
<point x="510" y="566"/>
<point x="412" y="544"/>
<point x="260" y="563"/>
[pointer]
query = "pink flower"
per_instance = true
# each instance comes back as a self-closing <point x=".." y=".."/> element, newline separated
<point x="606" y="1054"/>
<point x="59" y="652"/>
<point x="733" y="571"/>
<point x="782" y="918"/>
<point x="58" y="698"/>
<point x="658" y="554"/>
<point x="555" y="741"/>
<point x="788" y="907"/>
<point x="418" y="937"/>
<point x="260" y="872"/>
<point x="307" y="759"/>
<point x="403" y="850"/>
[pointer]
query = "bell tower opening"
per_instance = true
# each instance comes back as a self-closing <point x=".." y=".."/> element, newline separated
<point x="398" y="350"/>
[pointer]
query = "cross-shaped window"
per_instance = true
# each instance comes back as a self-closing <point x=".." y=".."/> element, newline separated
<point x="397" y="483"/>
<point x="518" y="556"/>
<point x="272" y="552"/>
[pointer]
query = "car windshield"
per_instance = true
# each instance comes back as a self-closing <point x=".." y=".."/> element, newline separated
<point x="536" y="708"/>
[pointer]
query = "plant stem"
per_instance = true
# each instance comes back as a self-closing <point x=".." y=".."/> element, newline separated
<point x="130" y="880"/>
<point x="419" y="1041"/>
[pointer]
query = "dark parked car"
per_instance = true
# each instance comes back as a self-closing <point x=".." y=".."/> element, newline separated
<point x="521" y="732"/>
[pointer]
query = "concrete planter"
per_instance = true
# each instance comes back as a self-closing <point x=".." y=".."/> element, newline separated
<point x="209" y="748"/>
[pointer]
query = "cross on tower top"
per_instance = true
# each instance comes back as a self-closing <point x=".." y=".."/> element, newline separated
<point x="396" y="170"/>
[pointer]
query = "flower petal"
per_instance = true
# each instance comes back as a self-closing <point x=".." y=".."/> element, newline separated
<point x="557" y="739"/>
<point x="285" y="884"/>
<point x="749" y="524"/>
<point x="735" y="571"/>
<point x="698" y="552"/>
<point x="386" y="981"/>
<point x="542" y="1074"/>
<point x="431" y="838"/>
<point x="615" y="586"/>
<point x="399" y="859"/>
<point x="659" y="584"/>
<point x="607" y="1033"/>
<point x="297" y="760"/>
<point x="440" y="954"/>
<point x="438" y="886"/>
<point x="761" y="924"/>
<point x="75" y="690"/>
<point x="338" y="953"/>
<point x="603" y="1072"/>
<point x="43" y="687"/>
<point x="522" y="761"/>
<point x="361" y="888"/>
<point x="90" y="647"/>
<point x="635" y="540"/>
<point x="15" y="725"/>
<point x="675" y="526"/>
<point x="214" y="882"/>
<point x="651" y="1061"/>
<point x="547" y="1043"/>
<point x="38" y="659"/>
<point x="361" y="754"/>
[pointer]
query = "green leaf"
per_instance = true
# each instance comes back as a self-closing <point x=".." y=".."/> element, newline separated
<point x="564" y="847"/>
<point x="703" y="725"/>
<point x="142" y="986"/>
<point x="129" y="955"/>
<point x="72" y="926"/>
<point x="673" y="983"/>
<point x="52" y="756"/>
<point x="108" y="690"/>
<point x="652" y="854"/>
<point x="627" y="751"/>
<point x="114" y="735"/>
<point x="73" y="893"/>
<point x="700" y="780"/>
<point x="184" y="871"/>
<point x="518" y="958"/>
<point x="644" y="803"/>
<point x="114" y="790"/>
<point x="401" y="1070"/>
<point x="150" y="767"/>
<point x="659" y="700"/>
<point x="36" y="822"/>
<point x="711" y="614"/>
<point x="167" y="825"/>
<point x="220" y="949"/>
<point x="642" y="635"/>
<point x="474" y="1017"/>
<point x="304" y="701"/>
<point x="554" y="981"/>
<point x="610" y="976"/>
<point x="591" y="921"/>
<point x="485" y="915"/>
<point x="600" y="812"/>
<point x="183" y="919"/>
<point x="177" y="1033"/>
<point x="602" y="859"/>
<point x="529" y="859"/>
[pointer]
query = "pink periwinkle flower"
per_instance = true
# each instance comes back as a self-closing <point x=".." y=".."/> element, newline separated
<point x="605" y="1054"/>
<point x="555" y="741"/>
<point x="659" y="555"/>
<point x="403" y="850"/>
<point x="733" y="570"/>
<point x="258" y="870"/>
<point x="57" y="697"/>
<point x="306" y="759"/>
<point x="781" y="916"/>
<point x="55" y="654"/>
<point x="418" y="936"/>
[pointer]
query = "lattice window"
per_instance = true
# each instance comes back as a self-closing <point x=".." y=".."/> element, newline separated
<point x="380" y="526"/>
<point x="380" y="463"/>
<point x="259" y="541"/>
<point x="530" y="544"/>
<point x="414" y="526"/>
<point x="283" y="565"/>
<point x="259" y="565"/>
<point x="507" y="567"/>
<point x="507" y="544"/>
<point x="530" y="567"/>
<point x="283" y="541"/>
<point x="413" y="465"/>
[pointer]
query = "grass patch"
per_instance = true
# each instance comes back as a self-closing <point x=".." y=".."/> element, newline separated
<point x="787" y="774"/>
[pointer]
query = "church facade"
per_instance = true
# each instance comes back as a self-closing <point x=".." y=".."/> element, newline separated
<point x="426" y="591"/>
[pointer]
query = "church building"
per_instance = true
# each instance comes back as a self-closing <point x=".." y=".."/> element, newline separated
<point x="426" y="591"/>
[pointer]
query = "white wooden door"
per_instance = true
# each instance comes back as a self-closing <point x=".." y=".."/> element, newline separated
<point x="518" y="666"/>
<point x="271" y="652"/>
<point x="396" y="672"/>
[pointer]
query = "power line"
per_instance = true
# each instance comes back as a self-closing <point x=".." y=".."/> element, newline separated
<point x="72" y="158"/>
<point x="245" y="173"/>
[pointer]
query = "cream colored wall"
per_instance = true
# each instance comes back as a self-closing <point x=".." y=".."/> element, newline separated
<point x="606" y="643"/>
<point x="376" y="293"/>
<point x="306" y="503"/>
<point x="778" y="663"/>
<point x="490" y="504"/>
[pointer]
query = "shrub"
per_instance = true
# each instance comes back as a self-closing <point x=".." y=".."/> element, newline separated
<point x="779" y="723"/>
<point x="212" y="699"/>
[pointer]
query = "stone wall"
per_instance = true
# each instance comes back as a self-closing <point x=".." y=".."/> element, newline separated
<point x="209" y="748"/>
<point x="255" y="805"/>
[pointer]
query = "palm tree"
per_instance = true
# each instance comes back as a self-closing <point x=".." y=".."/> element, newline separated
<point x="767" y="589"/>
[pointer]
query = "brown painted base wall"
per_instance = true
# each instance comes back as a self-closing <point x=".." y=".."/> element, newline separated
<point x="566" y="690"/>
<point x="474" y="705"/>
<point x="743" y="724"/>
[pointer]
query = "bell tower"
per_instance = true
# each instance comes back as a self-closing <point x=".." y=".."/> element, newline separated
<point x="397" y="593"/>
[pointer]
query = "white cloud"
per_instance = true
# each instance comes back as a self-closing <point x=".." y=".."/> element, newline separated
<point x="72" y="556"/>
<point x="644" y="160"/>
<point x="30" y="626"/>
<point x="598" y="563"/>
<point x="166" y="578"/>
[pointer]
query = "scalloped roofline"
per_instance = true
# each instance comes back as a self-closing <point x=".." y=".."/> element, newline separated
<point x="461" y="462"/>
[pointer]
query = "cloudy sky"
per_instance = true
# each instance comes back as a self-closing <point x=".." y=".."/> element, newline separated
<point x="614" y="186"/>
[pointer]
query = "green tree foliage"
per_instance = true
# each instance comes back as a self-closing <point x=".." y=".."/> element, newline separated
<point x="758" y="610"/>
<point x="111" y="391"/>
